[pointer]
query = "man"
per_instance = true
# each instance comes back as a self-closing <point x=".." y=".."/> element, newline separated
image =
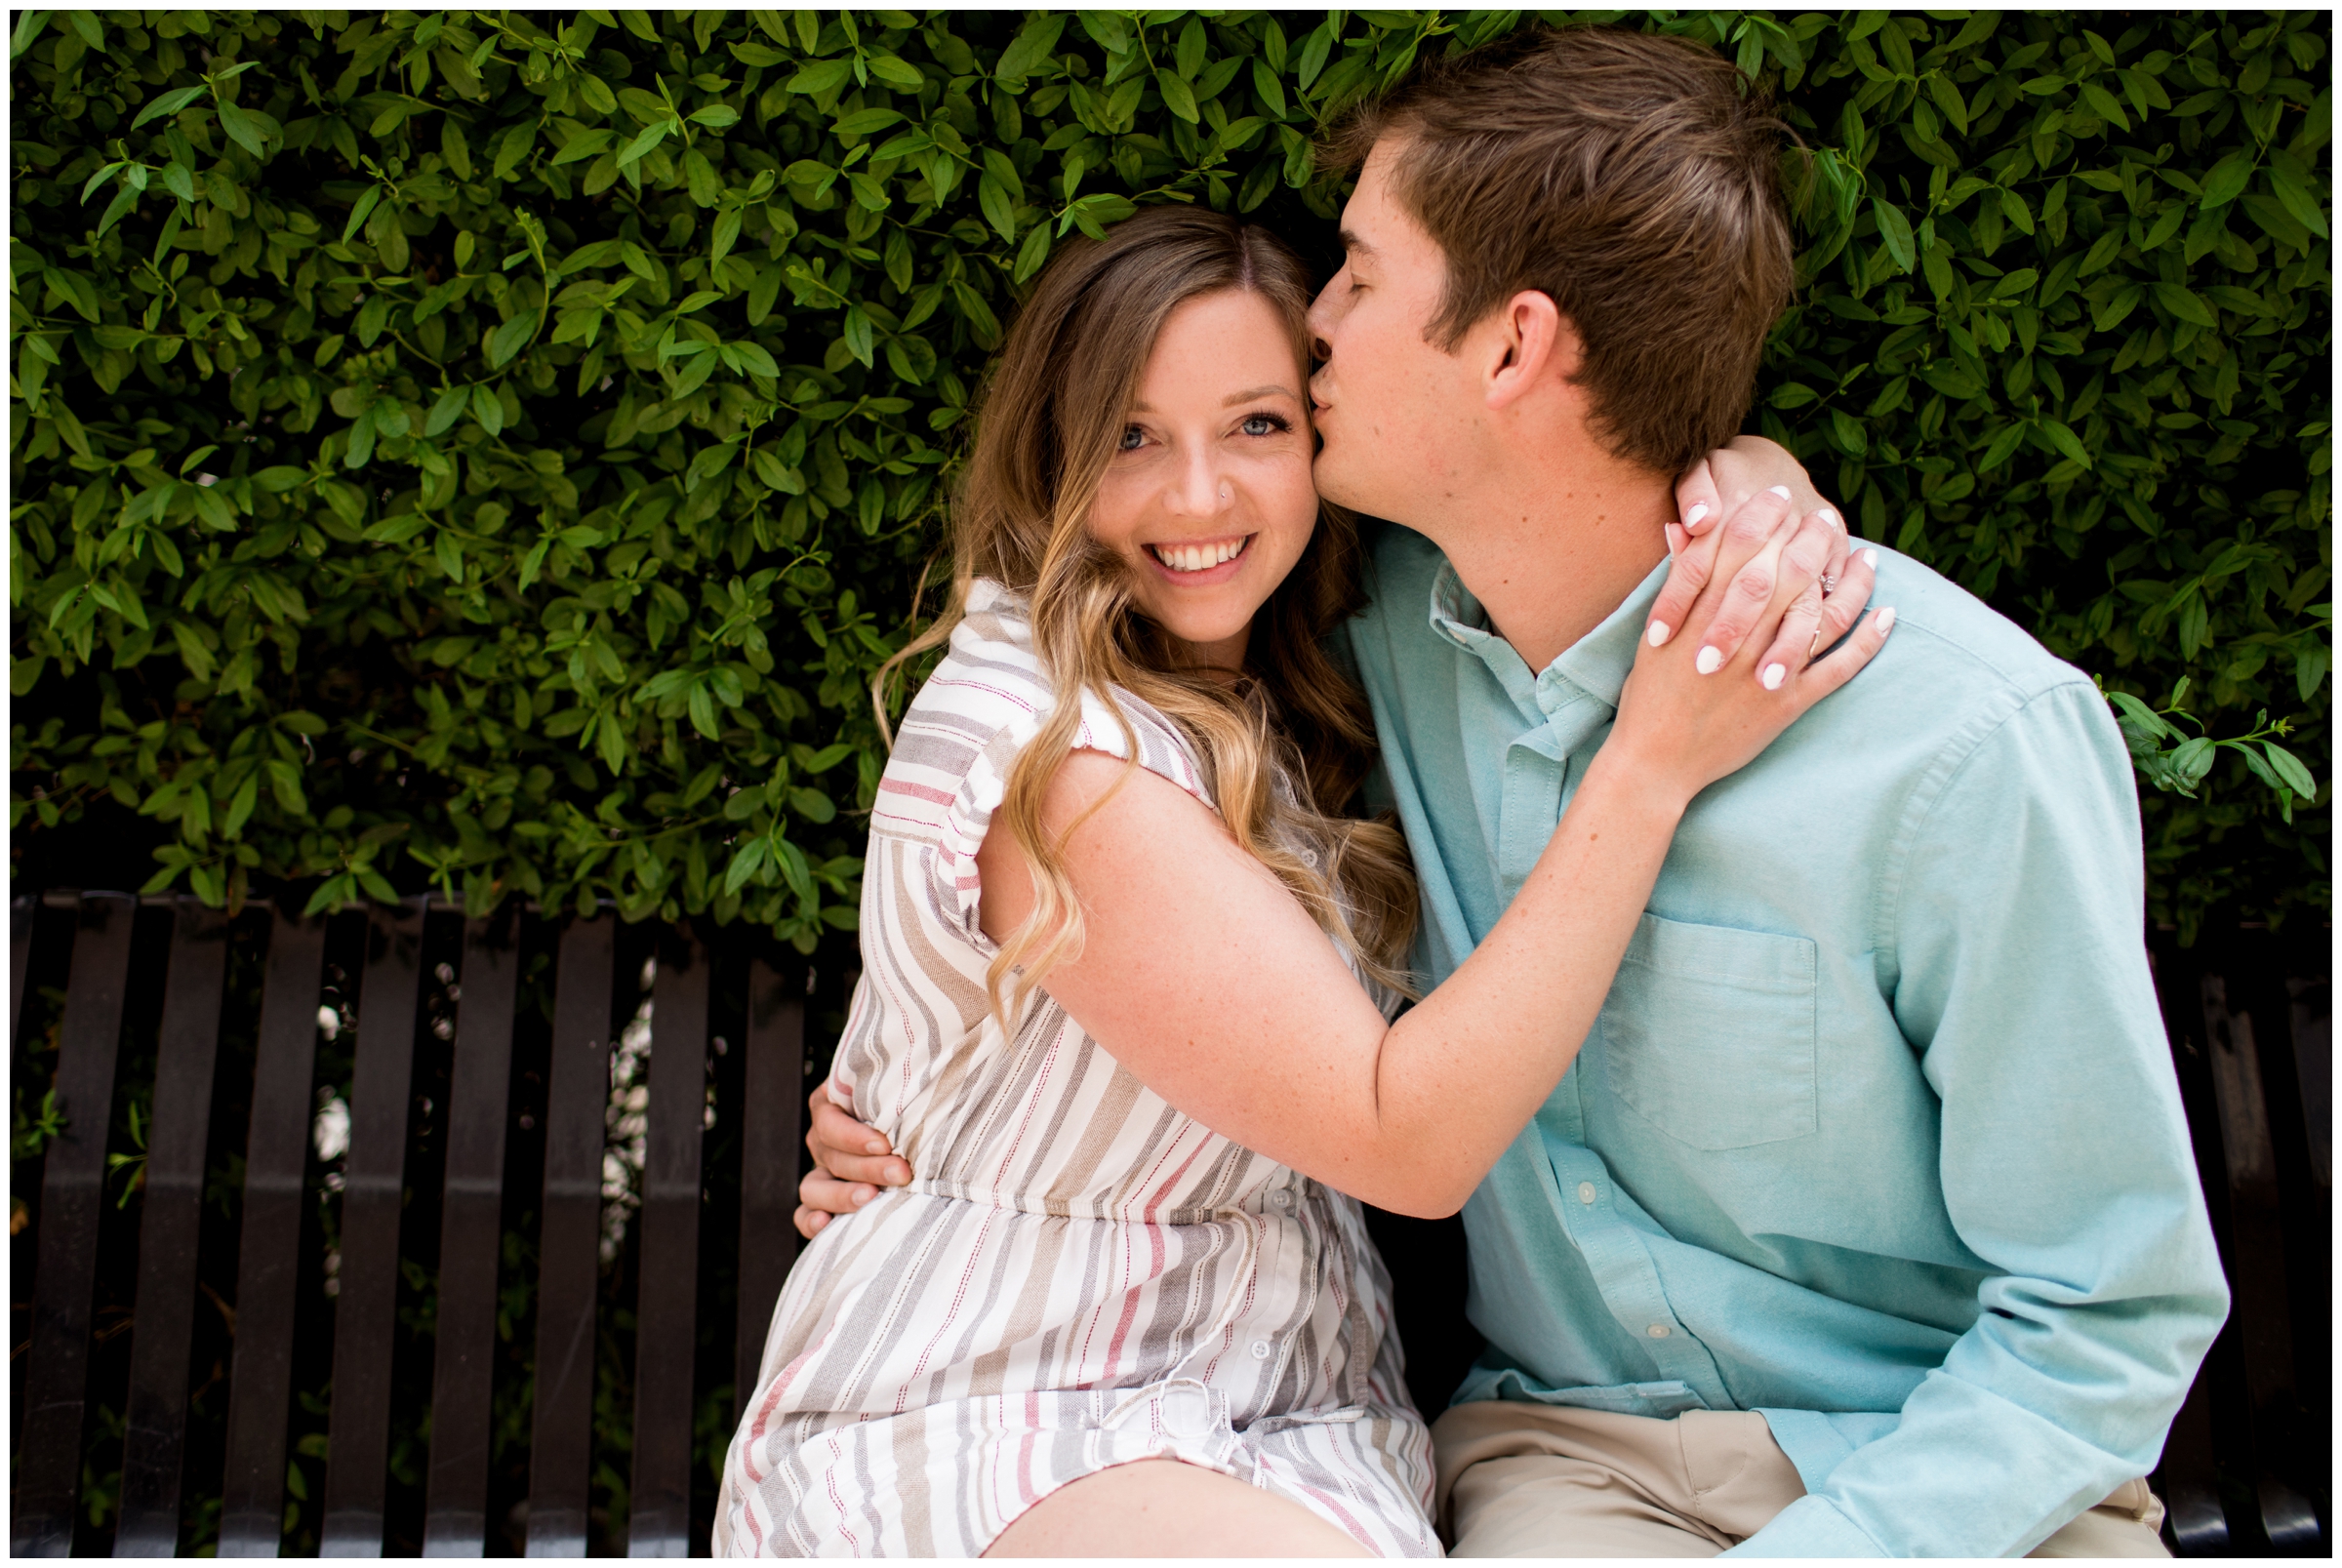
<point x="1866" y="1221"/>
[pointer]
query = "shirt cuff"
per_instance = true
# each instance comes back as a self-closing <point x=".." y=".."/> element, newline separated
<point x="1811" y="1527"/>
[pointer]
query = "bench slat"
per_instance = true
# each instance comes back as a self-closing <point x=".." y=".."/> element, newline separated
<point x="170" y="1226"/>
<point x="72" y="1193"/>
<point x="20" y="912"/>
<point x="577" y="1090"/>
<point x="470" y="1240"/>
<point x="775" y="1116"/>
<point x="366" y="1311"/>
<point x="660" y="1524"/>
<point x="275" y="1187"/>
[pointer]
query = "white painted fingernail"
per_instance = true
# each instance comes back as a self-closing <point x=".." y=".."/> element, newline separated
<point x="1777" y="490"/>
<point x="1657" y="635"/>
<point x="1829" y="516"/>
<point x="1691" y="518"/>
<point x="1711" y="660"/>
<point x="1870" y="558"/>
<point x="1774" y="675"/>
<point x="1886" y="620"/>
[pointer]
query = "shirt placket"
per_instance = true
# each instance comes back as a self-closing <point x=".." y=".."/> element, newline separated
<point x="1541" y="766"/>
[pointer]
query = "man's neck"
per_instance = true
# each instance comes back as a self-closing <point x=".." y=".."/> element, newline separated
<point x="1551" y="559"/>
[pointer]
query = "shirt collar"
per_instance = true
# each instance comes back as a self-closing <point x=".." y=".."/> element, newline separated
<point x="1595" y="665"/>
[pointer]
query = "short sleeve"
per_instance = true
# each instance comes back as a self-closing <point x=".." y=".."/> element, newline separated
<point x="962" y="736"/>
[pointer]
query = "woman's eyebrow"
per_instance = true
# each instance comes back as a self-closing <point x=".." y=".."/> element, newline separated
<point x="1233" y="398"/>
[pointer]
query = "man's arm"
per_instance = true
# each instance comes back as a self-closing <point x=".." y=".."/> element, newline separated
<point x="2016" y="927"/>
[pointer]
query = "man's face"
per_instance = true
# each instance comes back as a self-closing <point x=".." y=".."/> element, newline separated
<point x="1398" y="415"/>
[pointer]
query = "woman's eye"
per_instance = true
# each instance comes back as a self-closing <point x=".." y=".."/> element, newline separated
<point x="1133" y="438"/>
<point x="1262" y="424"/>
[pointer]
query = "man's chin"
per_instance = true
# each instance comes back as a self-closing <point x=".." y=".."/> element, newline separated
<point x="1341" y="482"/>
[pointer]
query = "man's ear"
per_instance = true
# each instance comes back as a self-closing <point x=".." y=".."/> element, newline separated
<point x="1533" y="345"/>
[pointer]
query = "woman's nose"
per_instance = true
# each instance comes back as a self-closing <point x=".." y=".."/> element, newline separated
<point x="1198" y="490"/>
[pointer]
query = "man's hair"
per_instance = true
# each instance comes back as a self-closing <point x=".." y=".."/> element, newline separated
<point x="1630" y="177"/>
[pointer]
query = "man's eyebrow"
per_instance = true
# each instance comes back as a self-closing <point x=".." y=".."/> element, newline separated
<point x="1355" y="244"/>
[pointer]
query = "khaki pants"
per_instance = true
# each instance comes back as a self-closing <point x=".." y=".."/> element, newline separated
<point x="1529" y="1481"/>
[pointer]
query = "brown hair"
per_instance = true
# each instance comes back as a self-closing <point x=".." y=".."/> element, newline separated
<point x="1631" y="177"/>
<point x="1284" y="746"/>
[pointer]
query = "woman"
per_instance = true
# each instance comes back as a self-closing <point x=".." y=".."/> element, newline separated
<point x="1118" y="1307"/>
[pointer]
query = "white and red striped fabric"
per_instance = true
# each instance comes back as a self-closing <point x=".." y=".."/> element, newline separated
<point x="1080" y="1275"/>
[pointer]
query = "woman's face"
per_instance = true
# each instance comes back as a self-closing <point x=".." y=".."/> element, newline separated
<point x="1209" y="500"/>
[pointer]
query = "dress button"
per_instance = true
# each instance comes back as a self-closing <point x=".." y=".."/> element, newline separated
<point x="1586" y="1194"/>
<point x="1658" y="1331"/>
<point x="1259" y="1350"/>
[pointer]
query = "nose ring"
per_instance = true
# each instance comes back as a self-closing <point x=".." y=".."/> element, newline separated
<point x="1223" y="494"/>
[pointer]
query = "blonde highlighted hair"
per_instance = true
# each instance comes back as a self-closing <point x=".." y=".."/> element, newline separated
<point x="1285" y="746"/>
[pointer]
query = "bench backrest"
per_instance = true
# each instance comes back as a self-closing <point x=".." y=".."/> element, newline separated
<point x="102" y="972"/>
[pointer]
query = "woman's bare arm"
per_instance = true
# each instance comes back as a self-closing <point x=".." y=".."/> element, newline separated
<point x="1204" y="978"/>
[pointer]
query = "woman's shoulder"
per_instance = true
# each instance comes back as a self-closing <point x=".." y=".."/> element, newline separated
<point x="986" y="699"/>
<point x="988" y="683"/>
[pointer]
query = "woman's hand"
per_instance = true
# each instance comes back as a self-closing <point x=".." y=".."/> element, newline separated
<point x="1720" y="536"/>
<point x="1690" y="714"/>
<point x="851" y="1163"/>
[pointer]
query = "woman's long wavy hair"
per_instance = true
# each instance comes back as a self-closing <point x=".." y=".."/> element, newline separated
<point x="1285" y="746"/>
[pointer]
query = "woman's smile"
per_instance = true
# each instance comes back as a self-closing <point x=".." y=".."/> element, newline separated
<point x="1200" y="563"/>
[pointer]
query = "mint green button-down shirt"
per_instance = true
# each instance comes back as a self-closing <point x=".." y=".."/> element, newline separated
<point x="1878" y="1132"/>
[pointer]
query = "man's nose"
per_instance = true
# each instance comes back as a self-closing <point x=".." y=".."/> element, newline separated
<point x="1320" y="322"/>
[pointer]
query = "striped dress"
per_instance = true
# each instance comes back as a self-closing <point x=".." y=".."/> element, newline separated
<point x="1079" y="1277"/>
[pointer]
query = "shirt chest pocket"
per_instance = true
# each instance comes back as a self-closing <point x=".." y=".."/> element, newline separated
<point x="1709" y="1033"/>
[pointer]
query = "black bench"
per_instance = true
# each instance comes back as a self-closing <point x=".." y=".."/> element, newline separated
<point x="530" y="1125"/>
<point x="183" y="971"/>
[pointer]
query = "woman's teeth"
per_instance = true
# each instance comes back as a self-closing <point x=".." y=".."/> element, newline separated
<point x="1198" y="557"/>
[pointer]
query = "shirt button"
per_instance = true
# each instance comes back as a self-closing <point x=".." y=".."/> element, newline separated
<point x="1259" y="1350"/>
<point x="1281" y="1198"/>
<point x="1658" y="1331"/>
<point x="1586" y="1194"/>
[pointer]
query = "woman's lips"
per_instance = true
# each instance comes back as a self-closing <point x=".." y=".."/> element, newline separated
<point x="1202" y="575"/>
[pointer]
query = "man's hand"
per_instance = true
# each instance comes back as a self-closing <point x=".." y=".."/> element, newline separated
<point x="1722" y="536"/>
<point x="851" y="1163"/>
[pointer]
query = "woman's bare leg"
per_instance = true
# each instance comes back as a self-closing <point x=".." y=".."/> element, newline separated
<point x="1161" y="1507"/>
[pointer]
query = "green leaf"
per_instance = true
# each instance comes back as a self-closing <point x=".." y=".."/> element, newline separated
<point x="1895" y="229"/>
<point x="446" y="411"/>
<point x="2290" y="770"/>
<point x="2299" y="200"/>
<point x="2176" y="299"/>
<point x="2228" y="179"/>
<point x="488" y="408"/>
<point x="865" y="122"/>
<point x="1178" y="97"/>
<point x="169" y="102"/>
<point x="30" y="24"/>
<point x="244" y="128"/>
<point x="511" y="337"/>
<point x="897" y="73"/>
<point x="825" y="76"/>
<point x="997" y="209"/>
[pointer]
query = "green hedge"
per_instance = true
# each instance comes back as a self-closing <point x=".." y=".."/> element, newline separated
<point x="495" y="448"/>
